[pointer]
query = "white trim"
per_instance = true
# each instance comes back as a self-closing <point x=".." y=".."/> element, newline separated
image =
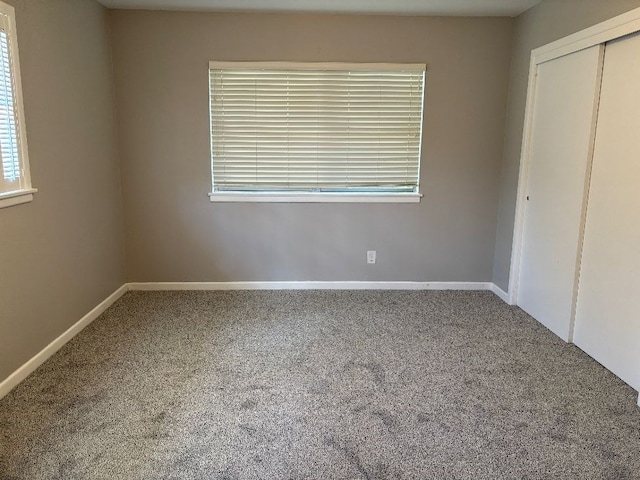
<point x="606" y="31"/>
<point x="315" y="197"/>
<point x="16" y="198"/>
<point x="338" y="66"/>
<point x="500" y="293"/>
<point x="149" y="286"/>
<point x="23" y="372"/>
<point x="616" y="27"/>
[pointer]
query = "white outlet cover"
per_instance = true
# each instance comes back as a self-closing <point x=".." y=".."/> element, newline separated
<point x="371" y="256"/>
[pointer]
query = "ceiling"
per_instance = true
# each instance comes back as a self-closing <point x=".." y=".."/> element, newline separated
<point x="504" y="8"/>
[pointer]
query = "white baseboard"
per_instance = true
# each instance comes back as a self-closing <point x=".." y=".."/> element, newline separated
<point x="504" y="296"/>
<point x="21" y="373"/>
<point x="311" y="286"/>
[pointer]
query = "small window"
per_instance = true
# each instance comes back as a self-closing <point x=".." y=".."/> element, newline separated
<point x="15" y="183"/>
<point x="315" y="132"/>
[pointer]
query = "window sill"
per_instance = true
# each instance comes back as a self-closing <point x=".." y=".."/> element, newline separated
<point x="10" y="199"/>
<point x="312" y="197"/>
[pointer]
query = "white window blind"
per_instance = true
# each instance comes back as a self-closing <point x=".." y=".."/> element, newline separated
<point x="8" y="129"/>
<point x="14" y="175"/>
<point x="316" y="127"/>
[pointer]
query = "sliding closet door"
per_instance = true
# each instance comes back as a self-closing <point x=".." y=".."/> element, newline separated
<point x="608" y="308"/>
<point x="566" y="95"/>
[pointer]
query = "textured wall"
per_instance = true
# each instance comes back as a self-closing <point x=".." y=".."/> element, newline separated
<point x="62" y="254"/>
<point x="549" y="21"/>
<point x="175" y="234"/>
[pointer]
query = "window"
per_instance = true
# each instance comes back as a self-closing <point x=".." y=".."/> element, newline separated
<point x="315" y="132"/>
<point x="15" y="183"/>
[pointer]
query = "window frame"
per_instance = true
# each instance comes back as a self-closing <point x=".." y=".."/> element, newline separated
<point x="24" y="192"/>
<point x="302" y="196"/>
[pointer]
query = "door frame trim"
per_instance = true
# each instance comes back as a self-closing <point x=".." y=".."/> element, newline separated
<point x="611" y="29"/>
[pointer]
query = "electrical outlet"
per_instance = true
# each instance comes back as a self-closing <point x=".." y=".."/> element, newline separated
<point x="371" y="256"/>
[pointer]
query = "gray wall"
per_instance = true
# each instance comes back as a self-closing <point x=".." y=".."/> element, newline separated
<point x="549" y="21"/>
<point x="62" y="254"/>
<point x="173" y="233"/>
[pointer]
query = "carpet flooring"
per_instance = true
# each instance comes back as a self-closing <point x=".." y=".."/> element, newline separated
<point x="319" y="385"/>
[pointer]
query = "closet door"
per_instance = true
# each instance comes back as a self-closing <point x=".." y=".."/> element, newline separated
<point x="566" y="96"/>
<point x="608" y="308"/>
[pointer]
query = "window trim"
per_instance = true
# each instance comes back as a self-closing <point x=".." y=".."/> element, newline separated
<point x="294" y="196"/>
<point x="316" y="197"/>
<point x="24" y="193"/>
<point x="9" y="199"/>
